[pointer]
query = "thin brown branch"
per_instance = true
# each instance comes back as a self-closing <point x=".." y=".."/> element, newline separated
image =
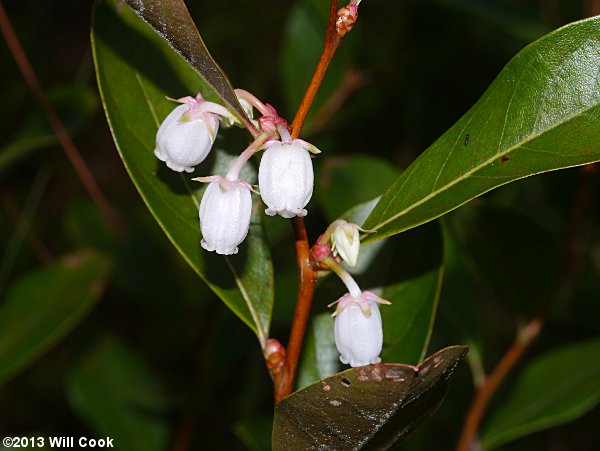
<point x="332" y="42"/>
<point x="592" y="7"/>
<point x="20" y="220"/>
<point x="492" y="382"/>
<point x="73" y="154"/>
<point x="283" y="380"/>
<point x="284" y="383"/>
<point x="530" y="332"/>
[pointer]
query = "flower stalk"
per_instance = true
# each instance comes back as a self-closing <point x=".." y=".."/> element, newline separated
<point x="284" y="384"/>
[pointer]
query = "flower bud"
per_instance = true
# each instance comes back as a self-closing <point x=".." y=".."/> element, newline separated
<point x="358" y="330"/>
<point x="285" y="179"/>
<point x="225" y="212"/>
<point x="346" y="241"/>
<point x="185" y="137"/>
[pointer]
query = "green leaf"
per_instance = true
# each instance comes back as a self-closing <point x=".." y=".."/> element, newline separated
<point x="371" y="407"/>
<point x="554" y="389"/>
<point x="118" y="396"/>
<point x="542" y="113"/>
<point x="43" y="307"/>
<point x="515" y="253"/>
<point x="136" y="70"/>
<point x="171" y="20"/>
<point x="460" y="311"/>
<point x="75" y="105"/>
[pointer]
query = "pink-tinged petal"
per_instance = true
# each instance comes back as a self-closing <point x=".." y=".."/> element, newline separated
<point x="358" y="337"/>
<point x="183" y="140"/>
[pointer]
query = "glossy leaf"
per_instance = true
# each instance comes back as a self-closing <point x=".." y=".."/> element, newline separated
<point x="542" y="113"/>
<point x="371" y="407"/>
<point x="554" y="389"/>
<point x="136" y="70"/>
<point x="118" y="396"/>
<point x="44" y="306"/>
<point x="172" y="21"/>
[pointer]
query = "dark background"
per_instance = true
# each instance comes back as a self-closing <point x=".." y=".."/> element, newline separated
<point x="411" y="68"/>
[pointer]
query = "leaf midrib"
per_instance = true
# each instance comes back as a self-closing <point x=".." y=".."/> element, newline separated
<point x="480" y="166"/>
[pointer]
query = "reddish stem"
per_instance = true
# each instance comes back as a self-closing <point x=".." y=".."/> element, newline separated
<point x="332" y="41"/>
<point x="283" y="380"/>
<point x="530" y="332"/>
<point x="81" y="168"/>
<point x="492" y="382"/>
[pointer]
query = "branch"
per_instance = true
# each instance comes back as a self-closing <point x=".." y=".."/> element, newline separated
<point x="283" y="377"/>
<point x="492" y="382"/>
<point x="530" y="332"/>
<point x="332" y="42"/>
<point x="308" y="279"/>
<point x="353" y="81"/>
<point x="81" y="168"/>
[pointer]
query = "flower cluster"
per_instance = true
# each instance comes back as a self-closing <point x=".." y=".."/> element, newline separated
<point x="285" y="182"/>
<point x="285" y="176"/>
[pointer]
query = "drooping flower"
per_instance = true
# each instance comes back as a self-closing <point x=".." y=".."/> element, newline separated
<point x="358" y="330"/>
<point x="285" y="177"/>
<point x="346" y="241"/>
<point x="187" y="134"/>
<point x="225" y="212"/>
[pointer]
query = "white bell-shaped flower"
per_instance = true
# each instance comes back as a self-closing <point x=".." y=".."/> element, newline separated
<point x="346" y="241"/>
<point x="183" y="142"/>
<point x="225" y="212"/>
<point x="285" y="178"/>
<point x="358" y="330"/>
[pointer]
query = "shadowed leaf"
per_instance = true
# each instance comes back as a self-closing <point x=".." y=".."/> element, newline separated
<point x="119" y="396"/>
<point x="371" y="407"/>
<point x="514" y="252"/>
<point x="44" y="306"/>
<point x="554" y="389"/>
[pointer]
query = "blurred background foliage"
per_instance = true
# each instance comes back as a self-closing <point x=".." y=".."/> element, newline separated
<point x="151" y="357"/>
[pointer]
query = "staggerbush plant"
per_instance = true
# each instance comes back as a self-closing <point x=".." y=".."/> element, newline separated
<point x="540" y="114"/>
